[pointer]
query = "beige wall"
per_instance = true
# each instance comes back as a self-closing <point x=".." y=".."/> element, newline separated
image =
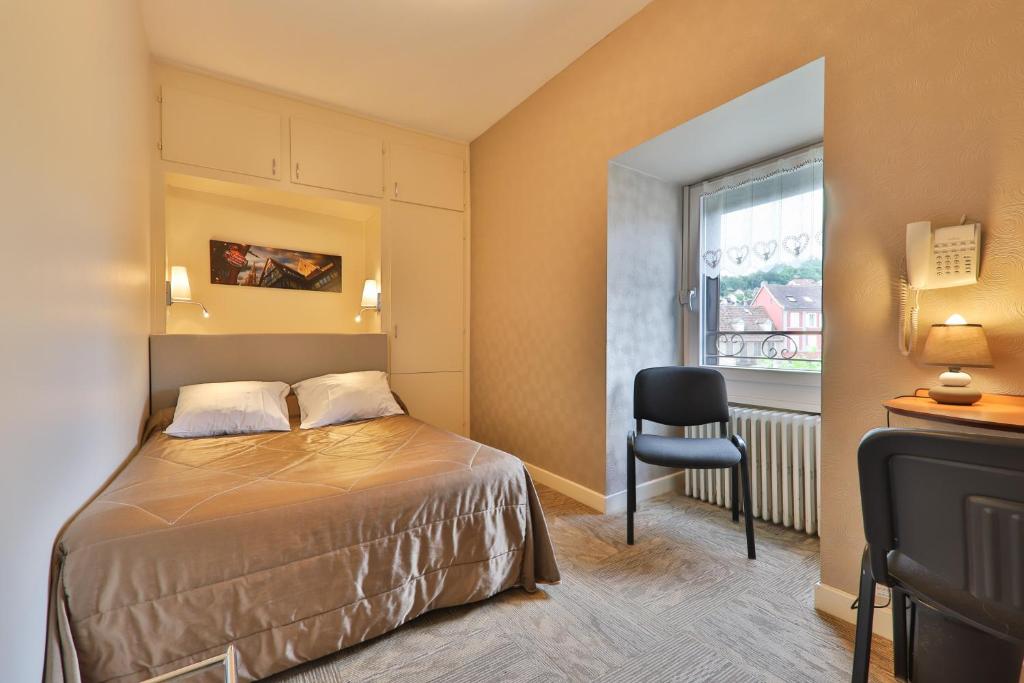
<point x="193" y="218"/>
<point x="922" y="122"/>
<point x="75" y="227"/>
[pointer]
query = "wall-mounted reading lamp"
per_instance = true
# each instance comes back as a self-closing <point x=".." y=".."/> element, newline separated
<point x="371" y="299"/>
<point x="179" y="291"/>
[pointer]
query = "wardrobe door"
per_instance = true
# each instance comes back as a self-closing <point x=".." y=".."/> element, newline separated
<point x="336" y="159"/>
<point x="220" y="134"/>
<point x="433" y="397"/>
<point x="427" y="288"/>
<point x="420" y="176"/>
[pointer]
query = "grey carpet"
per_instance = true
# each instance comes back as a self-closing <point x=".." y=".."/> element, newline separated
<point x="683" y="604"/>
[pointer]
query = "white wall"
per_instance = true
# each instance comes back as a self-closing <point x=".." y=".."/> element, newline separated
<point x="74" y="227"/>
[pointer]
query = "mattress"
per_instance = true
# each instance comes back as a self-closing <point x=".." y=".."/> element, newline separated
<point x="291" y="545"/>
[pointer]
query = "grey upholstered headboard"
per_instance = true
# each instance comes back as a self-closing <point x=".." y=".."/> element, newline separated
<point x="179" y="359"/>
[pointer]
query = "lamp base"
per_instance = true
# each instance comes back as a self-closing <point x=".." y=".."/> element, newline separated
<point x="958" y="396"/>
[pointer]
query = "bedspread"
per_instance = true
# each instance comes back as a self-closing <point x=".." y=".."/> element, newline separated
<point x="291" y="545"/>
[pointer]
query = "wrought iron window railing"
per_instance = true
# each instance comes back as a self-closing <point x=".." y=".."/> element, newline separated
<point x="766" y="349"/>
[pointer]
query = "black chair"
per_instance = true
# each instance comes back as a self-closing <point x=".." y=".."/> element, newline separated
<point x="685" y="397"/>
<point x="944" y="521"/>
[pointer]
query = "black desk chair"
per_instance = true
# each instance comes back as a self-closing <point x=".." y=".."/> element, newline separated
<point x="944" y="521"/>
<point x="685" y="397"/>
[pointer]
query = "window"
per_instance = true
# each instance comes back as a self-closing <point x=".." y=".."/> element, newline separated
<point x="760" y="249"/>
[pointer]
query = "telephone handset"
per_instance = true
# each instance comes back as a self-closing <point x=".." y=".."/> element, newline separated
<point x="936" y="258"/>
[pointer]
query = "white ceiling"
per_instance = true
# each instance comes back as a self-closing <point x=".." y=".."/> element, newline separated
<point x="451" y="67"/>
<point x="778" y="116"/>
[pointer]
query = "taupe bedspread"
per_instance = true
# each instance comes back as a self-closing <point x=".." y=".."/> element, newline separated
<point x="292" y="545"/>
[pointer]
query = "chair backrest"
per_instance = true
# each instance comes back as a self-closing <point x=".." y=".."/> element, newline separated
<point x="944" y="514"/>
<point x="680" y="396"/>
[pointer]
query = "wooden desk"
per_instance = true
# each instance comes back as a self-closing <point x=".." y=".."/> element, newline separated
<point x="993" y="411"/>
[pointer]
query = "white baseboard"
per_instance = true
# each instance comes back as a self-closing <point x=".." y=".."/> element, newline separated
<point x="613" y="504"/>
<point x="616" y="502"/>
<point x="836" y="603"/>
<point x="567" y="487"/>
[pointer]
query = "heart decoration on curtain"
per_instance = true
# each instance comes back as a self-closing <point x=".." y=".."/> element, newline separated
<point x="738" y="254"/>
<point x="818" y="237"/>
<point x="766" y="249"/>
<point x="712" y="257"/>
<point x="795" y="244"/>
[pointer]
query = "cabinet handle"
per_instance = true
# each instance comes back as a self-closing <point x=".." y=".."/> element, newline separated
<point x="396" y="330"/>
<point x="296" y="170"/>
<point x="396" y="188"/>
<point x="273" y="166"/>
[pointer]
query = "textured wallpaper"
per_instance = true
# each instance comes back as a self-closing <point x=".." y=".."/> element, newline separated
<point x="645" y="219"/>
<point x="923" y="121"/>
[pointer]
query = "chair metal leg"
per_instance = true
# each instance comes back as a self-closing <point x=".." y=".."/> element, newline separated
<point x="910" y="640"/>
<point x="865" y="616"/>
<point x="630" y="491"/>
<point x="747" y="507"/>
<point x="900" y="665"/>
<point x="734" y="491"/>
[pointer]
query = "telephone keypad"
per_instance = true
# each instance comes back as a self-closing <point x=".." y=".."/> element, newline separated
<point x="953" y="257"/>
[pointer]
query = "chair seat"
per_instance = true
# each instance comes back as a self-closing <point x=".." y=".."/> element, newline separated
<point x="671" y="451"/>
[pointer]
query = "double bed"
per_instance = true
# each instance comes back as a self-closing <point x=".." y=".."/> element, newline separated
<point x="289" y="545"/>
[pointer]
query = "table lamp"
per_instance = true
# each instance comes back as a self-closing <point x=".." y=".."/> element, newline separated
<point x="956" y="344"/>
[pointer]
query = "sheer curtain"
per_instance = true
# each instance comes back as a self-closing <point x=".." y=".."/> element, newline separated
<point x="763" y="217"/>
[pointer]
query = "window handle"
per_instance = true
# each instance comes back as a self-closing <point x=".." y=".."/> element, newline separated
<point x="691" y="299"/>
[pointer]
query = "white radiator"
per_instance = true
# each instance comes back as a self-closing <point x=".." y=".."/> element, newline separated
<point x="784" y="449"/>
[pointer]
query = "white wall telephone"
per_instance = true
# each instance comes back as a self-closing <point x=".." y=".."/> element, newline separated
<point x="936" y="258"/>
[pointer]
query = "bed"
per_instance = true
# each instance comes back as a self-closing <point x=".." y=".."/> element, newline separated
<point x="289" y="545"/>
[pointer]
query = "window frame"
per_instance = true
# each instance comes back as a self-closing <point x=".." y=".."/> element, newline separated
<point x="762" y="387"/>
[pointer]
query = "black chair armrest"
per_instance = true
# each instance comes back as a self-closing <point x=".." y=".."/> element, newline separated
<point x="739" y="443"/>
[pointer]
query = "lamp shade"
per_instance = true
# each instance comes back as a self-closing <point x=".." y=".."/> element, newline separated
<point x="957" y="346"/>
<point x="180" y="288"/>
<point x="370" y="292"/>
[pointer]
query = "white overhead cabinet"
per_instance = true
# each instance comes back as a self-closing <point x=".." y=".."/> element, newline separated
<point x="421" y="176"/>
<point x="214" y="133"/>
<point x="427" y="289"/>
<point x="336" y="159"/>
<point x="437" y="398"/>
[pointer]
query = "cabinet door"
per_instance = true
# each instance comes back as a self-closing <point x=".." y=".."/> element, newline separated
<point x="336" y="159"/>
<point x="419" y="176"/>
<point x="214" y="133"/>
<point x="436" y="398"/>
<point x="427" y="274"/>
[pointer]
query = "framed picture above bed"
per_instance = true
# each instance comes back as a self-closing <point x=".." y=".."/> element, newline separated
<point x="249" y="265"/>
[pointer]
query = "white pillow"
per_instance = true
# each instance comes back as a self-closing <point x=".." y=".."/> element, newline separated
<point x="331" y="399"/>
<point x="230" y="408"/>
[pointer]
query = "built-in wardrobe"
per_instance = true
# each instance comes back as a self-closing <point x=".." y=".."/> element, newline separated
<point x="407" y="191"/>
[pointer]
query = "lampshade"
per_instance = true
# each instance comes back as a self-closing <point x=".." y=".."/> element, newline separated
<point x="180" y="288"/>
<point x="957" y="346"/>
<point x="370" y="293"/>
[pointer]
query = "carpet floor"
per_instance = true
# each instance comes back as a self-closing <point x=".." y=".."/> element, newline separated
<point x="683" y="604"/>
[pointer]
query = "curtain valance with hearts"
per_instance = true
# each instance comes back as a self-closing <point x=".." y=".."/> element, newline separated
<point x="764" y="217"/>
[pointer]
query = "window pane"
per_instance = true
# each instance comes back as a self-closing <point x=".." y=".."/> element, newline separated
<point x="762" y="298"/>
